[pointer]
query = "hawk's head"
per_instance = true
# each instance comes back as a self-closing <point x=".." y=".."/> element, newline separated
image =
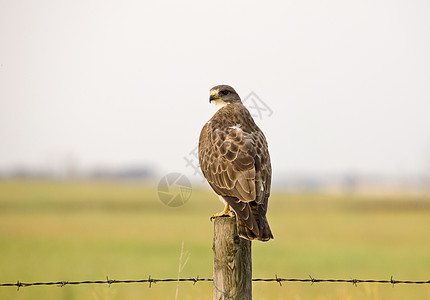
<point x="221" y="95"/>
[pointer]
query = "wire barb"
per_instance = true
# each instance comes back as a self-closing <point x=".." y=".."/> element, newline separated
<point x="108" y="281"/>
<point x="18" y="284"/>
<point x="150" y="281"/>
<point x="392" y="281"/>
<point x="278" y="279"/>
<point x="312" y="279"/>
<point x="62" y="283"/>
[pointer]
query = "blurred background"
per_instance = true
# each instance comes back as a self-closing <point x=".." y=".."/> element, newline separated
<point x="101" y="99"/>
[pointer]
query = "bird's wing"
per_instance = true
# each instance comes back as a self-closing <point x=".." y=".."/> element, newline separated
<point x="227" y="159"/>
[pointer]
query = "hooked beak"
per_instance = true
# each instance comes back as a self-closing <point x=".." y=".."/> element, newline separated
<point x="212" y="96"/>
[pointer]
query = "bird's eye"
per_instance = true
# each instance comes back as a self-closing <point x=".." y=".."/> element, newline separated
<point x="224" y="92"/>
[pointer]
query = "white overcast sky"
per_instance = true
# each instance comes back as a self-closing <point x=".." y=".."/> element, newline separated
<point x="120" y="83"/>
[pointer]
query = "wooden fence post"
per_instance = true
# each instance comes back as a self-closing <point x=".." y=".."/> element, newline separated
<point x="232" y="262"/>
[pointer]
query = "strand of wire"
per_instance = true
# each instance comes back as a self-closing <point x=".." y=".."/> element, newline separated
<point x="194" y="280"/>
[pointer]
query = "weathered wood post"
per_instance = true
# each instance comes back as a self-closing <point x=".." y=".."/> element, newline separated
<point x="232" y="262"/>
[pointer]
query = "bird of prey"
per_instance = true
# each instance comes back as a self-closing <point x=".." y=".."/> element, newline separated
<point x="234" y="158"/>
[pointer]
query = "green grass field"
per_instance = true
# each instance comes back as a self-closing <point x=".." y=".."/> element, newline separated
<point x="53" y="231"/>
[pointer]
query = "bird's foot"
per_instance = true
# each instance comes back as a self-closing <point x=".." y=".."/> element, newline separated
<point x="224" y="213"/>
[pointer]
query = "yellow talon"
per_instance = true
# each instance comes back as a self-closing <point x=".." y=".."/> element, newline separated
<point x="225" y="213"/>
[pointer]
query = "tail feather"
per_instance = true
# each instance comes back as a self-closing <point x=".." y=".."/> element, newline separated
<point x="264" y="235"/>
<point x="259" y="214"/>
<point x="251" y="219"/>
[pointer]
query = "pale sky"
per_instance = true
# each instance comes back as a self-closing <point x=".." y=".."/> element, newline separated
<point x="127" y="82"/>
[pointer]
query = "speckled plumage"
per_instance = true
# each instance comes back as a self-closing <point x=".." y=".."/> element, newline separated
<point x="234" y="158"/>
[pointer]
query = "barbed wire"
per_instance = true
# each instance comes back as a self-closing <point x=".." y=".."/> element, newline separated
<point x="194" y="280"/>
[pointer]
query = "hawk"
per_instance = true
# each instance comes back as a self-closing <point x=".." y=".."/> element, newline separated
<point x="234" y="158"/>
